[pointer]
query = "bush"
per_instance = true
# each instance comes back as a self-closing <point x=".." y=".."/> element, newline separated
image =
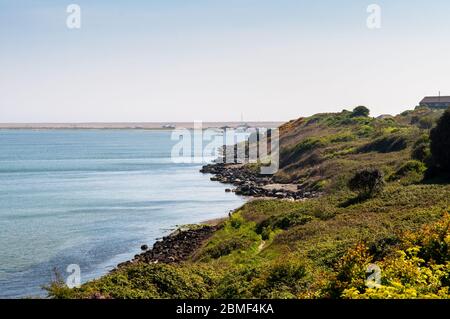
<point x="415" y="167"/>
<point x="320" y="185"/>
<point x="440" y="143"/>
<point x="58" y="289"/>
<point x="144" y="281"/>
<point x="293" y="154"/>
<point x="367" y="182"/>
<point x="365" y="131"/>
<point x="282" y="278"/>
<point x="360" y="111"/>
<point x="415" y="119"/>
<point x="284" y="222"/>
<point x="426" y="123"/>
<point x="420" y="268"/>
<point x="386" y="144"/>
<point x="421" y="150"/>
<point x="406" y="113"/>
<point x="238" y="283"/>
<point x="350" y="272"/>
<point x="284" y="275"/>
<point x="226" y="247"/>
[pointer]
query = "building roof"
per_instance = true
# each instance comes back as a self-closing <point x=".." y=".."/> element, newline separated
<point x="436" y="99"/>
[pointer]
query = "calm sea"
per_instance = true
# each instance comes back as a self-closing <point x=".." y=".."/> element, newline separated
<point x="92" y="198"/>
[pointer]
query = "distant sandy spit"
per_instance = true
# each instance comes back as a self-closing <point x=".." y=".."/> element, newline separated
<point x="143" y="125"/>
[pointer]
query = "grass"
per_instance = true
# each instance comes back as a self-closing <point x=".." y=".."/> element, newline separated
<point x="304" y="242"/>
<point x="317" y="248"/>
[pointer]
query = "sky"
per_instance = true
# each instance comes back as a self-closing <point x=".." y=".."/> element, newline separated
<point x="211" y="60"/>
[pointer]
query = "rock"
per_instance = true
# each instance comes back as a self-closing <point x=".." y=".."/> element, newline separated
<point x="174" y="248"/>
<point x="126" y="263"/>
<point x="98" y="295"/>
<point x="250" y="183"/>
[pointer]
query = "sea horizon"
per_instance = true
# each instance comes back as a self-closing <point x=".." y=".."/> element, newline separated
<point x="138" y="125"/>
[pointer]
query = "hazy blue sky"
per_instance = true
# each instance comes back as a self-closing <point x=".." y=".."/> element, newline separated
<point x="182" y="60"/>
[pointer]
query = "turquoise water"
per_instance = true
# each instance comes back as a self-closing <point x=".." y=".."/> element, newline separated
<point x="92" y="198"/>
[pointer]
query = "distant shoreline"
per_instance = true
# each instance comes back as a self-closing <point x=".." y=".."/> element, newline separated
<point x="135" y="125"/>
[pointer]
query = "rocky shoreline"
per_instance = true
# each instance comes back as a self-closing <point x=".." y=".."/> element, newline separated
<point x="181" y="244"/>
<point x="174" y="248"/>
<point x="248" y="183"/>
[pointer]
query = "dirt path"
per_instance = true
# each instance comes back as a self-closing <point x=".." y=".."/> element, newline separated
<point x="261" y="246"/>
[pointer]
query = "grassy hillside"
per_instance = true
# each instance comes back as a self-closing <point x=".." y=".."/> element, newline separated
<point x="319" y="248"/>
<point x="325" y="149"/>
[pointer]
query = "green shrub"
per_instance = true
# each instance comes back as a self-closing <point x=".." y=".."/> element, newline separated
<point x="283" y="222"/>
<point x="426" y="122"/>
<point x="342" y="137"/>
<point x="238" y="283"/>
<point x="421" y="149"/>
<point x="309" y="144"/>
<point x="227" y="246"/>
<point x="285" y="271"/>
<point x="406" y="113"/>
<point x="420" y="268"/>
<point x="360" y="111"/>
<point x="367" y="182"/>
<point x="350" y="272"/>
<point x="385" y="144"/>
<point x="415" y="119"/>
<point x="236" y="221"/>
<point x="290" y="155"/>
<point x="410" y="167"/>
<point x="320" y="185"/>
<point x="58" y="289"/>
<point x="140" y="280"/>
<point x="282" y="278"/>
<point x="365" y="131"/>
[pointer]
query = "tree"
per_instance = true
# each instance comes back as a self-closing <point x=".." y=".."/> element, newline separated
<point x="440" y="143"/>
<point x="367" y="182"/>
<point x="360" y="111"/>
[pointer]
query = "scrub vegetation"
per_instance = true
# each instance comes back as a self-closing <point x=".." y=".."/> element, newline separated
<point x="386" y="202"/>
